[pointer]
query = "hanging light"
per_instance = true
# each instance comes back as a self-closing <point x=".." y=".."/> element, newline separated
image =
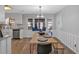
<point x="40" y="15"/>
<point x="11" y="21"/>
<point x="7" y="7"/>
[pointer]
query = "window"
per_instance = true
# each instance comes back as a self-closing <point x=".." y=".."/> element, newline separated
<point x="39" y="24"/>
<point x="49" y="22"/>
<point x="30" y="23"/>
<point x="36" y="24"/>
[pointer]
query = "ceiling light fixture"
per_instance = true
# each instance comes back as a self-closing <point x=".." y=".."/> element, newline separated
<point x="7" y="7"/>
<point x="40" y="15"/>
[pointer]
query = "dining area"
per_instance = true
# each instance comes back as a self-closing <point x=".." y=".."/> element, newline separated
<point x="44" y="44"/>
<point x="39" y="44"/>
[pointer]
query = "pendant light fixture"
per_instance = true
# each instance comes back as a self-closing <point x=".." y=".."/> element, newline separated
<point x="7" y="7"/>
<point x="40" y="15"/>
<point x="11" y="20"/>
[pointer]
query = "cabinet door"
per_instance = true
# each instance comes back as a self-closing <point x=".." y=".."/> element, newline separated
<point x="29" y="33"/>
<point x="2" y="14"/>
<point x="21" y="33"/>
<point x="0" y="47"/>
<point x="8" y="43"/>
<point x="3" y="46"/>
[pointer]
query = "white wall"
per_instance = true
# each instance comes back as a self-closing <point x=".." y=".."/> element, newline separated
<point x="2" y="14"/>
<point x="70" y="19"/>
<point x="67" y="26"/>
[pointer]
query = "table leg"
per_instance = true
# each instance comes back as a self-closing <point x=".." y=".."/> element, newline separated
<point x="56" y="51"/>
<point x="62" y="51"/>
<point x="30" y="48"/>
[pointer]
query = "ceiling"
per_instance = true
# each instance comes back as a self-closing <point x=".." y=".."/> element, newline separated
<point x="34" y="9"/>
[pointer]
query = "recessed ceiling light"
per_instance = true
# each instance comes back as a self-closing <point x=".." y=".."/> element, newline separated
<point x="7" y="7"/>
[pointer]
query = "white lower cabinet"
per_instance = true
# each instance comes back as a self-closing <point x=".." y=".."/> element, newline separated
<point x="21" y="33"/>
<point x="5" y="45"/>
<point x="8" y="43"/>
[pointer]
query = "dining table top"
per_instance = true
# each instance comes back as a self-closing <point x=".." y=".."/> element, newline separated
<point x="36" y="36"/>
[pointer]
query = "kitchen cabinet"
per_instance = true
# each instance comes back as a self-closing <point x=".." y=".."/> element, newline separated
<point x="5" y="45"/>
<point x="17" y="17"/>
<point x="2" y="14"/>
<point x="2" y="46"/>
<point x="21" y="33"/>
<point x="29" y="34"/>
<point x="8" y="47"/>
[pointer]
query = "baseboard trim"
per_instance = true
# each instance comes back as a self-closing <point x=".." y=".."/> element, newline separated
<point x="27" y="38"/>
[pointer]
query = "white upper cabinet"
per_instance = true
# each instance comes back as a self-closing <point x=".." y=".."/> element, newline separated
<point x="2" y="14"/>
<point x="17" y="17"/>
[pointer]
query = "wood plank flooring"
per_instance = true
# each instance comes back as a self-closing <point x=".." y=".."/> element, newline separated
<point x="22" y="46"/>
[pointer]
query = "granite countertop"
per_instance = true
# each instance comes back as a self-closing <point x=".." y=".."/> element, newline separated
<point x="4" y="37"/>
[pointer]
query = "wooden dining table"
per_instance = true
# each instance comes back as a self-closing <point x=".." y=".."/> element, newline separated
<point x="34" y="42"/>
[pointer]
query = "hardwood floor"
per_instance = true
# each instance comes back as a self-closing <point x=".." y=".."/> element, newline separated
<point x="22" y="46"/>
